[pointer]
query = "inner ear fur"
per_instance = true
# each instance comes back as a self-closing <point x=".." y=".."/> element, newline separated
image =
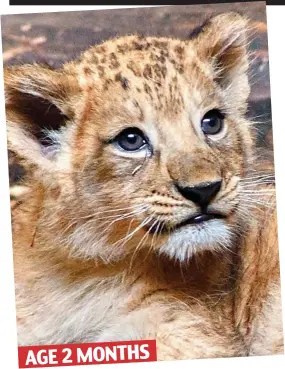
<point x="38" y="99"/>
<point x="222" y="41"/>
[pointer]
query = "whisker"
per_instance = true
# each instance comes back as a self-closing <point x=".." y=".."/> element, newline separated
<point x="106" y="211"/>
<point x="129" y="236"/>
<point x="141" y="244"/>
<point x="117" y="217"/>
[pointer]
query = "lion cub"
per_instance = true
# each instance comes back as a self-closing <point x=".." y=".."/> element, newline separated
<point x="144" y="218"/>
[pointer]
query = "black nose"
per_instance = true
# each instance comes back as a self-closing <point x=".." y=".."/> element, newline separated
<point x="201" y="194"/>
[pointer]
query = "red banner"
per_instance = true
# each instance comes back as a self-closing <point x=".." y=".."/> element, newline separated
<point x="87" y="354"/>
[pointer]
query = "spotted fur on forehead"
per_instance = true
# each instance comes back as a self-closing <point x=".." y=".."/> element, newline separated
<point x="118" y="54"/>
<point x="143" y="65"/>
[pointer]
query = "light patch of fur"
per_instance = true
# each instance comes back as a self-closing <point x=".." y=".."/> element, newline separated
<point x="28" y="147"/>
<point x="269" y="331"/>
<point x="182" y="244"/>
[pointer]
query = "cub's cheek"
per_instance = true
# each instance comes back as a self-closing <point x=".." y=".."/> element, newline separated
<point x="125" y="168"/>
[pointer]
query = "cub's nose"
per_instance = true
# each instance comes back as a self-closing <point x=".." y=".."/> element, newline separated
<point x="201" y="194"/>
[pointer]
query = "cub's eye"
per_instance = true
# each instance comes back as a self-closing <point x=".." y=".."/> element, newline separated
<point x="131" y="139"/>
<point x="213" y="122"/>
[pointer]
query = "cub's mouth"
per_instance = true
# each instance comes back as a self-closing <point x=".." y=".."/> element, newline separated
<point x="200" y="218"/>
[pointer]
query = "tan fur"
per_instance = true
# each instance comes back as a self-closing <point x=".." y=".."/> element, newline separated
<point x="76" y="281"/>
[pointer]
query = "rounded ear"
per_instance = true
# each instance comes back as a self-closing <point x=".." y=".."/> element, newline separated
<point x="222" y="41"/>
<point x="38" y="105"/>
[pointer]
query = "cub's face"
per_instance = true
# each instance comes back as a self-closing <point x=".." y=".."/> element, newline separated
<point x="152" y="147"/>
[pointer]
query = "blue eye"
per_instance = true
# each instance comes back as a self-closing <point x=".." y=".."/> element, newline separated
<point x="212" y="122"/>
<point x="131" y="139"/>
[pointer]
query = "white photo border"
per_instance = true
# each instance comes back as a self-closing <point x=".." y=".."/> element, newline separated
<point x="8" y="336"/>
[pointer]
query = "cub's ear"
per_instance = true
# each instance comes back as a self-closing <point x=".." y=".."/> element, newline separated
<point x="39" y="103"/>
<point x="222" y="41"/>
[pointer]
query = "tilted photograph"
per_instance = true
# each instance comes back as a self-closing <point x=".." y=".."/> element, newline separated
<point x="142" y="183"/>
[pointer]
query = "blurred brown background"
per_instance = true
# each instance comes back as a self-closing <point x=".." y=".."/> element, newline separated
<point x="55" y="38"/>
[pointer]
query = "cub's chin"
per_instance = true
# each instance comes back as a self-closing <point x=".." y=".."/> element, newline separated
<point x="194" y="237"/>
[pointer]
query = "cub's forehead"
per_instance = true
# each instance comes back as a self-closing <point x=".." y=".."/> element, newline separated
<point x="156" y="67"/>
<point x="124" y="48"/>
<point x="143" y="57"/>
